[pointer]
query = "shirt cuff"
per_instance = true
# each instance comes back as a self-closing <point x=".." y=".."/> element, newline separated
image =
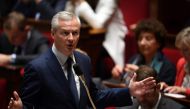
<point x="13" y="58"/>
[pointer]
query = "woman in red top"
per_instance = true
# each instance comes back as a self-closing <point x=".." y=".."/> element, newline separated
<point x="182" y="83"/>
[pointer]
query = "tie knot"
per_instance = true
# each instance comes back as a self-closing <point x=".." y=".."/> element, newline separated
<point x="69" y="62"/>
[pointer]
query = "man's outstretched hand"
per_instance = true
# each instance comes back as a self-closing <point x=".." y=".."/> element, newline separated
<point x="139" y="88"/>
<point x="15" y="103"/>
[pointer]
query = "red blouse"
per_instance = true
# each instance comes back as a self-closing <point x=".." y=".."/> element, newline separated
<point x="181" y="74"/>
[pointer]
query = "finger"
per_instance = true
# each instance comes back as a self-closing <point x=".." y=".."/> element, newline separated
<point x="161" y="86"/>
<point x="16" y="95"/>
<point x="146" y="80"/>
<point x="150" y="84"/>
<point x="134" y="77"/>
<point x="167" y="89"/>
<point x="173" y="90"/>
<point x="11" y="103"/>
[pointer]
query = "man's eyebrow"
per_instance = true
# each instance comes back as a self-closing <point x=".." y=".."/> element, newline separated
<point x="70" y="29"/>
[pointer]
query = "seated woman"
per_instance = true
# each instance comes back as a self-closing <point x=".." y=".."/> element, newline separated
<point x="150" y="40"/>
<point x="182" y="83"/>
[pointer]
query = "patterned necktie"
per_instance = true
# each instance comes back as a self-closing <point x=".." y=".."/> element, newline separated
<point x="71" y="80"/>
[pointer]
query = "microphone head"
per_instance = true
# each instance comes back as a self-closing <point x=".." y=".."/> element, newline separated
<point x="77" y="69"/>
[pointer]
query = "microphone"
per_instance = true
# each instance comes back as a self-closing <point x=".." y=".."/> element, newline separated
<point x="81" y="77"/>
<point x="77" y="69"/>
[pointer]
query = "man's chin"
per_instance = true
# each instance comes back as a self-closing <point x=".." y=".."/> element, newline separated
<point x="70" y="50"/>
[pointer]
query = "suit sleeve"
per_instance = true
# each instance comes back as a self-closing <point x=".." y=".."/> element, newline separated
<point x="31" y="88"/>
<point x="109" y="97"/>
<point x="40" y="45"/>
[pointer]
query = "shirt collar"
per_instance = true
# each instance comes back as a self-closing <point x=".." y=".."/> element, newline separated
<point x="159" y="98"/>
<point x="61" y="57"/>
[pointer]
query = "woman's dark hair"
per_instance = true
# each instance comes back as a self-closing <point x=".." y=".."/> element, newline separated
<point x="152" y="26"/>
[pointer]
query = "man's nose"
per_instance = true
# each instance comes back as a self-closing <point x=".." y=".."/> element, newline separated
<point x="70" y="37"/>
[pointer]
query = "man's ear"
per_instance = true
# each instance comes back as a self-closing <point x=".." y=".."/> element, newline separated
<point x="52" y="32"/>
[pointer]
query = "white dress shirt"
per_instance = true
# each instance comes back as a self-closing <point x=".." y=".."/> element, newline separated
<point x="62" y="60"/>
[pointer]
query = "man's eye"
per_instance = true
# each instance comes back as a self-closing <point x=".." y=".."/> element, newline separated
<point x="75" y="33"/>
<point x="65" y="33"/>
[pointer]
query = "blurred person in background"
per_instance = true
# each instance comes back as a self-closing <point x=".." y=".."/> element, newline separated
<point x="6" y="7"/>
<point x="153" y="99"/>
<point x="107" y="15"/>
<point x="19" y="44"/>
<point x="39" y="9"/>
<point x="150" y="35"/>
<point x="182" y="82"/>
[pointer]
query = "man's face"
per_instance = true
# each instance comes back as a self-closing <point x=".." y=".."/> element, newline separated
<point x="16" y="36"/>
<point x="66" y="36"/>
<point x="150" y="98"/>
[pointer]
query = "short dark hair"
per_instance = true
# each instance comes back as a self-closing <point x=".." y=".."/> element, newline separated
<point x="152" y="26"/>
<point x="145" y="71"/>
<point x="15" y="19"/>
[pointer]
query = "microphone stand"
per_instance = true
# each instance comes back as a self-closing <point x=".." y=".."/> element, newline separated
<point x="88" y="92"/>
<point x="81" y="77"/>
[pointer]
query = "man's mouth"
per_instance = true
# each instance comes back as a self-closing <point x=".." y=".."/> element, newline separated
<point x="70" y="46"/>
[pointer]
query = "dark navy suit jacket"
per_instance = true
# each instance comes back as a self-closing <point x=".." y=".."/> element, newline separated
<point x="165" y="103"/>
<point x="46" y="8"/>
<point x="33" y="47"/>
<point x="45" y="86"/>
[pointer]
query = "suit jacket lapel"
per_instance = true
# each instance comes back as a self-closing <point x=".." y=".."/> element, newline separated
<point x="136" y="103"/>
<point x="57" y="71"/>
<point x="162" y="103"/>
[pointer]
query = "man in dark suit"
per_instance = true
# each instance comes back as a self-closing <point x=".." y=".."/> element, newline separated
<point x="19" y="44"/>
<point x="153" y="99"/>
<point x="47" y="79"/>
<point x="40" y="9"/>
